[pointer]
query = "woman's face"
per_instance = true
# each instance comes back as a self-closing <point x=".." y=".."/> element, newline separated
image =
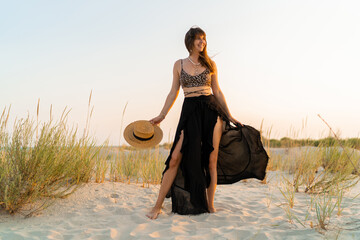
<point x="199" y="43"/>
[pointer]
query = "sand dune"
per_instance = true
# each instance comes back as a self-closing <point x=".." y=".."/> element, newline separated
<point x="246" y="210"/>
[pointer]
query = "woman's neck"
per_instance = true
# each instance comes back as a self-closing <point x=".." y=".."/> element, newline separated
<point x="194" y="57"/>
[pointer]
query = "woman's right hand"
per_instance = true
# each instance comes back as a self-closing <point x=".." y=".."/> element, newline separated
<point x="156" y="120"/>
<point x="235" y="122"/>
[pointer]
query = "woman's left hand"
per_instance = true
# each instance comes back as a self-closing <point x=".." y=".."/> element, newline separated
<point x="236" y="122"/>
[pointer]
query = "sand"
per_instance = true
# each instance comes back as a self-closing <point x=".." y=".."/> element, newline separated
<point x="246" y="210"/>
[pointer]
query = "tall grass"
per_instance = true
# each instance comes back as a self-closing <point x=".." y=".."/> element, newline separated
<point x="128" y="164"/>
<point x="101" y="166"/>
<point x="325" y="171"/>
<point x="317" y="170"/>
<point x="143" y="166"/>
<point x="39" y="163"/>
<point x="324" y="207"/>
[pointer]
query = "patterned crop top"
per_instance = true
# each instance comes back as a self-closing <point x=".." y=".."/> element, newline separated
<point x="195" y="85"/>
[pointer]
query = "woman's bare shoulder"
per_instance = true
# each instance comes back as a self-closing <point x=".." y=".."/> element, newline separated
<point x="213" y="65"/>
<point x="178" y="62"/>
<point x="177" y="65"/>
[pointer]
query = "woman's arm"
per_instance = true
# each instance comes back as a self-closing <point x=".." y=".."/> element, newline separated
<point x="174" y="92"/>
<point x="220" y="96"/>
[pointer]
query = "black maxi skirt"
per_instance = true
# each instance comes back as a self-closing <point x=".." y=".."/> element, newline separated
<point x="197" y="121"/>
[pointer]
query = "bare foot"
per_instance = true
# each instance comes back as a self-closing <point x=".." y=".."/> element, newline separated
<point x="153" y="214"/>
<point x="212" y="210"/>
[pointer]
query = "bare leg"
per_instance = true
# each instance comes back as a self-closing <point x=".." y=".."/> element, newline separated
<point x="168" y="179"/>
<point x="212" y="165"/>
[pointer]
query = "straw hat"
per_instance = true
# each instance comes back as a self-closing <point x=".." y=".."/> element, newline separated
<point x="143" y="134"/>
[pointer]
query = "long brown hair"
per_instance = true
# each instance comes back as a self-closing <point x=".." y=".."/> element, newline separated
<point x="190" y="37"/>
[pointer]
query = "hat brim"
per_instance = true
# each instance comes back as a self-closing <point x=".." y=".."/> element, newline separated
<point x="130" y="138"/>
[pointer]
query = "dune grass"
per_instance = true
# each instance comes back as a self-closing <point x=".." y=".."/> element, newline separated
<point x="325" y="172"/>
<point x="139" y="166"/>
<point x="39" y="163"/>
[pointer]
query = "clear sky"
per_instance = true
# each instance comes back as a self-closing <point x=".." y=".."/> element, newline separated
<point x="279" y="61"/>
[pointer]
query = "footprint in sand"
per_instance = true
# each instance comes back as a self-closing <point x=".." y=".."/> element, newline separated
<point x="114" y="195"/>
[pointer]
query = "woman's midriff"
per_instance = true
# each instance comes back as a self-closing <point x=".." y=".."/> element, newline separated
<point x="197" y="91"/>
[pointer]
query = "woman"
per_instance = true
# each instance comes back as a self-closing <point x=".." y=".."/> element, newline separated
<point x="190" y="172"/>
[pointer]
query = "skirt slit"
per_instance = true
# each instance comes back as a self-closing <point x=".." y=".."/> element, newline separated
<point x="197" y="121"/>
<point x="241" y="154"/>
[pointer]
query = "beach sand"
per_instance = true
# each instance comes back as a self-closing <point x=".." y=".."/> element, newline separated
<point x="246" y="210"/>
